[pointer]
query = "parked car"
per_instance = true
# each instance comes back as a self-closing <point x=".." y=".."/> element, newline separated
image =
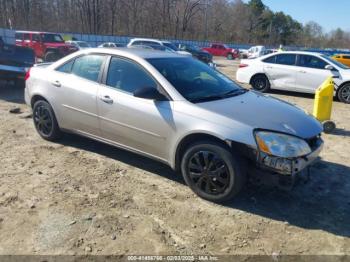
<point x="178" y="111"/>
<point x="14" y="62"/>
<point x="342" y="58"/>
<point x="79" y="44"/>
<point x="196" y="52"/>
<point x="150" y="42"/>
<point x="153" y="47"/>
<point x="256" y="51"/>
<point x="111" y="45"/>
<point x="47" y="46"/>
<point x="295" y="71"/>
<point x="222" y="50"/>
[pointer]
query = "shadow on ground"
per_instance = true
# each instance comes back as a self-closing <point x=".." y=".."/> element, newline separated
<point x="322" y="204"/>
<point x="11" y="93"/>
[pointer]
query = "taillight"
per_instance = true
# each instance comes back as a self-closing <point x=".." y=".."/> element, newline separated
<point x="27" y="75"/>
<point x="242" y="65"/>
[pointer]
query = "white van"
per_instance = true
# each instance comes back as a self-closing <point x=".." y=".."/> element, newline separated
<point x="256" y="51"/>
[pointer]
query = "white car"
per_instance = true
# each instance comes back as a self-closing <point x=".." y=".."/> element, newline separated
<point x="151" y="42"/>
<point x="295" y="71"/>
<point x="79" y="44"/>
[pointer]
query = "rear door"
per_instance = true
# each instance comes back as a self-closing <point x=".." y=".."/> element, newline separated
<point x="311" y="73"/>
<point x="281" y="70"/>
<point x="136" y="123"/>
<point x="37" y="45"/>
<point x="76" y="84"/>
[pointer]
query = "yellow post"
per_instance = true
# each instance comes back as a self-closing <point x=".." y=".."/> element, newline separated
<point x="324" y="100"/>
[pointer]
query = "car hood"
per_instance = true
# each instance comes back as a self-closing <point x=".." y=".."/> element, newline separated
<point x="264" y="112"/>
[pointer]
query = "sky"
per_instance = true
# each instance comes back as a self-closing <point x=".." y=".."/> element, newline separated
<point x="330" y="14"/>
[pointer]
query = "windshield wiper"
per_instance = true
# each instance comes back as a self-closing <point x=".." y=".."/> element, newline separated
<point x="235" y="92"/>
<point x="205" y="99"/>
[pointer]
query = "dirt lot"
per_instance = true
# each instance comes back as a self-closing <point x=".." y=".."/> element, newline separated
<point x="84" y="197"/>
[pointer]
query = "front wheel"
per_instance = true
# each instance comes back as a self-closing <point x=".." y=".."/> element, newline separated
<point x="212" y="171"/>
<point x="229" y="56"/>
<point x="45" y="121"/>
<point x="51" y="57"/>
<point x="260" y="83"/>
<point x="344" y="94"/>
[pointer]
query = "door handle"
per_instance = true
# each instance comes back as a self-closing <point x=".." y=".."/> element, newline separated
<point x="56" y="83"/>
<point x="107" y="99"/>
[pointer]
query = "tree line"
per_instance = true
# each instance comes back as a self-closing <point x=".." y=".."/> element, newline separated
<point x="213" y="20"/>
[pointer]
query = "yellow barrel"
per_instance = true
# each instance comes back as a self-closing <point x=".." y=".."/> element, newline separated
<point x="324" y="100"/>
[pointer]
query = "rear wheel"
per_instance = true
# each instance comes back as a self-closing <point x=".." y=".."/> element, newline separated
<point x="45" y="121"/>
<point x="229" y="56"/>
<point x="344" y="94"/>
<point x="260" y="83"/>
<point x="212" y="171"/>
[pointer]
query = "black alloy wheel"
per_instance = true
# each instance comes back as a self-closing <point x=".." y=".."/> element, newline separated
<point x="260" y="83"/>
<point x="208" y="172"/>
<point x="212" y="171"/>
<point x="45" y="121"/>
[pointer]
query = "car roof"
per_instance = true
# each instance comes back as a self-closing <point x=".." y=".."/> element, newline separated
<point x="146" y="39"/>
<point x="36" y="32"/>
<point x="297" y="53"/>
<point x="143" y="53"/>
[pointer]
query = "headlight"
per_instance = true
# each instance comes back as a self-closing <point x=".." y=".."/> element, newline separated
<point x="281" y="145"/>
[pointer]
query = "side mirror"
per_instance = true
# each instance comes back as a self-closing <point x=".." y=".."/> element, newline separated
<point x="330" y="68"/>
<point x="151" y="93"/>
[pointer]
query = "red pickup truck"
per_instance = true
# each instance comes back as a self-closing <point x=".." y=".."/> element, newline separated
<point x="222" y="50"/>
<point x="47" y="46"/>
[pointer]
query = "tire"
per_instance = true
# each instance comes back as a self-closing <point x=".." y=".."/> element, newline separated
<point x="212" y="171"/>
<point x="229" y="56"/>
<point x="343" y="93"/>
<point x="328" y="126"/>
<point x="260" y="83"/>
<point x="51" y="56"/>
<point x="45" y="121"/>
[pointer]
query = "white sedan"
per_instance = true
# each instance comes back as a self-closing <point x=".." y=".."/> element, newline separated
<point x="295" y="71"/>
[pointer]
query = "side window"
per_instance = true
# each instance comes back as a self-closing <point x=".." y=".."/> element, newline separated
<point x="311" y="62"/>
<point x="26" y="37"/>
<point x="36" y="37"/>
<point x="270" y="60"/>
<point x="346" y="57"/>
<point x="137" y="43"/>
<point x="286" y="59"/>
<point x="214" y="46"/>
<point x="88" y="66"/>
<point x="19" y="36"/>
<point x="150" y="43"/>
<point x="66" y="68"/>
<point x="121" y="75"/>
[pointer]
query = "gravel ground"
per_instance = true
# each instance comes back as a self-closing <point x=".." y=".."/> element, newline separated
<point x="83" y="197"/>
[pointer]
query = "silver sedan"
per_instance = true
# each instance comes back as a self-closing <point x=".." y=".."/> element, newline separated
<point x="177" y="110"/>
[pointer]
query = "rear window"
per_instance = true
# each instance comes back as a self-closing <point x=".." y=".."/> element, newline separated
<point x="271" y="60"/>
<point x="286" y="59"/>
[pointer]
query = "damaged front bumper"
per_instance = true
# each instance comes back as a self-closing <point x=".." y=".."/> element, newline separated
<point x="283" y="171"/>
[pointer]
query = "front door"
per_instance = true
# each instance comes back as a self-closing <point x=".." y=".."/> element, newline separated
<point x="311" y="73"/>
<point x="135" y="123"/>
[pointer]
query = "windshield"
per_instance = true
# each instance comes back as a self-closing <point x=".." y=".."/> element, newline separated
<point x="342" y="66"/>
<point x="194" y="80"/>
<point x="170" y="45"/>
<point x="83" y="44"/>
<point x="52" y="38"/>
